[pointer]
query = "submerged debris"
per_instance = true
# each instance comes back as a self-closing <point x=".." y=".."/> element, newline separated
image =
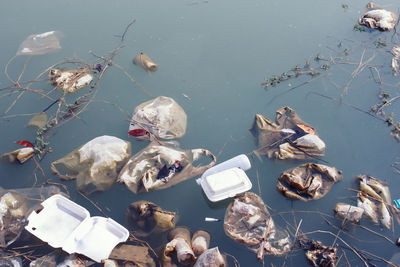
<point x="288" y="138"/>
<point x="145" y="62"/>
<point x="308" y="181"/>
<point x="70" y="81"/>
<point x="349" y="212"/>
<point x="147" y="218"/>
<point x="318" y="254"/>
<point x="248" y="221"/>
<point x="378" y="18"/>
<point x="137" y="255"/>
<point x="395" y="59"/>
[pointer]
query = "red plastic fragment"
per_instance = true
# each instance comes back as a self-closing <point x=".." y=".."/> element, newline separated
<point x="25" y="143"/>
<point x="137" y="132"/>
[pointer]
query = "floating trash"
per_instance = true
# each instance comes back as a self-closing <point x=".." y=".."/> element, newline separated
<point x="131" y="255"/>
<point x="349" y="212"/>
<point x="248" y="222"/>
<point x="181" y="244"/>
<point x="378" y="18"/>
<point x="161" y="117"/>
<point x="318" y="254"/>
<point x="95" y="165"/>
<point x="22" y="155"/>
<point x="146" y="218"/>
<point x="64" y="224"/>
<point x="70" y="81"/>
<point x="40" y="44"/>
<point x="288" y="138"/>
<point x="211" y="258"/>
<point x="160" y="166"/>
<point x="145" y="62"/>
<point x="200" y="241"/>
<point x="395" y="59"/>
<point x="308" y="181"/>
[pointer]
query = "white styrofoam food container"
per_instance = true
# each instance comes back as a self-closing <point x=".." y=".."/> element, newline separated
<point x="64" y="224"/>
<point x="225" y="184"/>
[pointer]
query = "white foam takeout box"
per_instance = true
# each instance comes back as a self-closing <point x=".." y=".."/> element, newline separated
<point x="226" y="179"/>
<point x="64" y="224"/>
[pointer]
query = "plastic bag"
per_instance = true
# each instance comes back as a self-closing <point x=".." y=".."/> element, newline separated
<point x="160" y="166"/>
<point x="95" y="165"/>
<point x="130" y="255"/>
<point x="211" y="258"/>
<point x="308" y="181"/>
<point x="15" y="206"/>
<point x="145" y="218"/>
<point x="248" y="221"/>
<point x="288" y="138"/>
<point x="40" y="44"/>
<point x="161" y="117"/>
<point x="376" y="17"/>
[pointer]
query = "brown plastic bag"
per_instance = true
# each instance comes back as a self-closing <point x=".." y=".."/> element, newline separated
<point x="160" y="166"/>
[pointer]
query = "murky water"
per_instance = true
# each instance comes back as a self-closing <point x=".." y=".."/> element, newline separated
<point x="213" y="56"/>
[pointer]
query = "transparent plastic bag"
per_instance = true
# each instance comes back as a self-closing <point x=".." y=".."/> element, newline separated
<point x="288" y="138"/>
<point x="40" y="44"/>
<point x="248" y="221"/>
<point x="211" y="258"/>
<point x="95" y="165"/>
<point x="15" y="206"/>
<point x="161" y="117"/>
<point x="160" y="166"/>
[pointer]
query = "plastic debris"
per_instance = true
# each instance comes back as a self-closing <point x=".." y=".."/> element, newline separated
<point x="211" y="258"/>
<point x="226" y="179"/>
<point x="161" y="166"/>
<point x="349" y="212"/>
<point x="200" y="241"/>
<point x="308" y="181"/>
<point x="248" y="221"/>
<point x="318" y="254"/>
<point x="209" y="219"/>
<point x="70" y="81"/>
<point x="395" y="59"/>
<point x="40" y="44"/>
<point x="146" y="218"/>
<point x="181" y="244"/>
<point x="145" y="62"/>
<point x="397" y="203"/>
<point x="15" y="205"/>
<point x="38" y="120"/>
<point x="376" y="17"/>
<point x="95" y="165"/>
<point x="161" y="117"/>
<point x="288" y="138"/>
<point x="22" y="155"/>
<point x="64" y="224"/>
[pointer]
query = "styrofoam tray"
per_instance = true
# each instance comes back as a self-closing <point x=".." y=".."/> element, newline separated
<point x="63" y="223"/>
<point x="225" y="184"/>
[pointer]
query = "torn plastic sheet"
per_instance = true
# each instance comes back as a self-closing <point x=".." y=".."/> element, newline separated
<point x="288" y="138"/>
<point x="162" y="117"/>
<point x="40" y="44"/>
<point x="248" y="221"/>
<point x="308" y="181"/>
<point x="15" y="205"/>
<point x="95" y="165"/>
<point x="160" y="166"/>
<point x="64" y="224"/>
<point x="146" y="218"/>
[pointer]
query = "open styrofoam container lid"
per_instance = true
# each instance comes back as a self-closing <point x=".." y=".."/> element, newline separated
<point x="63" y="223"/>
<point x="225" y="184"/>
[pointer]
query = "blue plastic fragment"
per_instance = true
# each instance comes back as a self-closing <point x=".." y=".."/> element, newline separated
<point x="397" y="203"/>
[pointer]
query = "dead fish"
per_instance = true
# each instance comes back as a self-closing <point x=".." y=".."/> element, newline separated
<point x="349" y="212"/>
<point x="386" y="219"/>
<point x="380" y="188"/>
<point x="378" y="18"/>
<point x="368" y="190"/>
<point x="368" y="206"/>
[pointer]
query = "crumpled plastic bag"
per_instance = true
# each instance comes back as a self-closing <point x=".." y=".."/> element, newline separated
<point x="308" y="181"/>
<point x="160" y="166"/>
<point x="40" y="44"/>
<point x="376" y="17"/>
<point x="248" y="221"/>
<point x="95" y="165"/>
<point x="179" y="242"/>
<point x="146" y="218"/>
<point x="161" y="117"/>
<point x="211" y="258"/>
<point x="288" y="138"/>
<point x="15" y="206"/>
